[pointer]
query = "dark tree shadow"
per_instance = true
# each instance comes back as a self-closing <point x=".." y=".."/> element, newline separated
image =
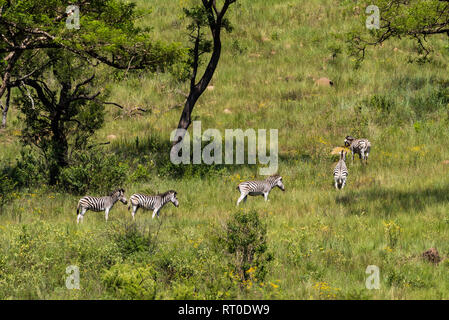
<point x="389" y="201"/>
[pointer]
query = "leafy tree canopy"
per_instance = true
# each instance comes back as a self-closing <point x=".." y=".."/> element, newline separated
<point x="415" y="19"/>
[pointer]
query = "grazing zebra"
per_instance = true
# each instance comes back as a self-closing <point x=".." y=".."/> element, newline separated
<point x="256" y="188"/>
<point x="341" y="172"/>
<point x="360" y="146"/>
<point x="154" y="203"/>
<point x="99" y="203"/>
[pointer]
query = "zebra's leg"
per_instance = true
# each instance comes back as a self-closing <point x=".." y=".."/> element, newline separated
<point x="265" y="195"/>
<point x="81" y="215"/>
<point x="155" y="212"/>
<point x="106" y="213"/>
<point x="362" y="156"/>
<point x="134" y="211"/>
<point x="242" y="196"/>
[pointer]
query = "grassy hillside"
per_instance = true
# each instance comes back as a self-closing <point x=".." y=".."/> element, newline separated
<point x="322" y="240"/>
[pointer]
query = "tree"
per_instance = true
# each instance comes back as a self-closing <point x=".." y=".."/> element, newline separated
<point x="62" y="110"/>
<point x="413" y="19"/>
<point x="107" y="35"/>
<point x="205" y="15"/>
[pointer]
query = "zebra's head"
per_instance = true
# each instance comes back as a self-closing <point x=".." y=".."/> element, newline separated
<point x="277" y="181"/>
<point x="348" y="140"/>
<point x="119" y="194"/>
<point x="171" y="196"/>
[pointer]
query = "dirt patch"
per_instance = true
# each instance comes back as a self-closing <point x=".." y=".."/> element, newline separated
<point x="431" y="255"/>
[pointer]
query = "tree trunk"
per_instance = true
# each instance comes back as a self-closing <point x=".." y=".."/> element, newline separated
<point x="59" y="152"/>
<point x="6" y="108"/>
<point x="197" y="90"/>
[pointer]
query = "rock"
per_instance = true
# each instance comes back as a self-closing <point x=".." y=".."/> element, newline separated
<point x="111" y="137"/>
<point x="210" y="88"/>
<point x="324" y="82"/>
<point x="227" y="111"/>
<point x="432" y="255"/>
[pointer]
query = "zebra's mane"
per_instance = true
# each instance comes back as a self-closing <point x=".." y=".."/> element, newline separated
<point x="274" y="177"/>
<point x="166" y="193"/>
<point x="117" y="190"/>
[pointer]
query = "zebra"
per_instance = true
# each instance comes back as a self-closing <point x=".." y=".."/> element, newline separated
<point x="341" y="172"/>
<point x="256" y="188"/>
<point x="99" y="203"/>
<point x="360" y="146"/>
<point x="154" y="203"/>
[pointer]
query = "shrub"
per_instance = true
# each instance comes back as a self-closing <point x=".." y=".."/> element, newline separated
<point x="141" y="173"/>
<point x="6" y="190"/>
<point x="244" y="239"/>
<point x="30" y="169"/>
<point x="131" y="239"/>
<point x="93" y="171"/>
<point x="130" y="281"/>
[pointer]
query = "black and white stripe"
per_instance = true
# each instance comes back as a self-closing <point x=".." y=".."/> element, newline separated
<point x="154" y="203"/>
<point x="362" y="147"/>
<point x="341" y="172"/>
<point x="99" y="203"/>
<point x="256" y="188"/>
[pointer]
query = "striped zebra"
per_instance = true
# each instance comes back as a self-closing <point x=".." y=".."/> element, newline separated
<point x="99" y="203"/>
<point x="256" y="188"/>
<point x="154" y="203"/>
<point x="341" y="172"/>
<point x="360" y="146"/>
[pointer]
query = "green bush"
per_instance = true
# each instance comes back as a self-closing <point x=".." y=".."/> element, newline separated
<point x="245" y="241"/>
<point x="130" y="281"/>
<point x="131" y="239"/>
<point x="141" y="173"/>
<point x="30" y="169"/>
<point x="95" y="172"/>
<point x="6" y="189"/>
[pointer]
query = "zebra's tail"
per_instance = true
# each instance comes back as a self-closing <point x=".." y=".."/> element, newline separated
<point x="129" y="206"/>
<point x="78" y="209"/>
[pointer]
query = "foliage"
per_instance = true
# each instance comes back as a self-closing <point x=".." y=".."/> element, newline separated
<point x="131" y="281"/>
<point x="245" y="240"/>
<point x="29" y="170"/>
<point x="93" y="171"/>
<point x="58" y="119"/>
<point x="6" y="189"/>
<point x="413" y="19"/>
<point x="132" y="238"/>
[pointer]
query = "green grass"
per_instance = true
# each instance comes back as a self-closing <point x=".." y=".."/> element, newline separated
<point x="322" y="240"/>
